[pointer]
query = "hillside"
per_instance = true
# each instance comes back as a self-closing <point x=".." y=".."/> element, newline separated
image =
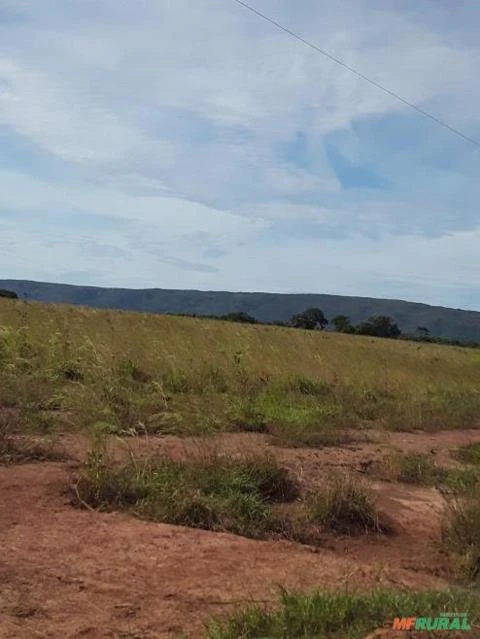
<point x="158" y="471"/>
<point x="266" y="307"/>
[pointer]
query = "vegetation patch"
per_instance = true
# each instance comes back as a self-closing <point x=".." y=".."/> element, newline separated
<point x="420" y="469"/>
<point x="461" y="480"/>
<point x="432" y="410"/>
<point x="341" y="615"/>
<point x="344" y="506"/>
<point x="251" y="496"/>
<point x="297" y="411"/>
<point x="461" y="535"/>
<point x="20" y="449"/>
<point x="470" y="454"/>
<point x="211" y="492"/>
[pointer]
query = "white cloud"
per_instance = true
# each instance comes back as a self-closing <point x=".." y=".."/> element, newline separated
<point x="171" y="117"/>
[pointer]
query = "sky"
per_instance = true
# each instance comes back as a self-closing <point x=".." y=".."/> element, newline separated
<point x="190" y="144"/>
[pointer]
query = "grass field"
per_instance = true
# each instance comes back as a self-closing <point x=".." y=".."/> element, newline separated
<point x="74" y="368"/>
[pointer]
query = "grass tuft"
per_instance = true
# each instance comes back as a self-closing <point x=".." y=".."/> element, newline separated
<point x="345" y="506"/>
<point x="461" y="535"/>
<point x="340" y="615"/>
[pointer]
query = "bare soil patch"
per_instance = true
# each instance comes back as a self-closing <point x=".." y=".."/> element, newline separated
<point x="73" y="573"/>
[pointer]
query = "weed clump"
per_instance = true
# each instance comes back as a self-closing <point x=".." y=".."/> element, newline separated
<point x="344" y="506"/>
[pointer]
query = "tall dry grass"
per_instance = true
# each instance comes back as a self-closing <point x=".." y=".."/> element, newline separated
<point x="73" y="367"/>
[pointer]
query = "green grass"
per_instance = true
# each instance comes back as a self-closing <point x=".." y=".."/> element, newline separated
<point x="210" y="491"/>
<point x="344" y="505"/>
<point x="461" y="480"/>
<point x="470" y="454"/>
<point x="328" y="615"/>
<point x="249" y="495"/>
<point x="420" y="469"/>
<point x="134" y="372"/>
<point x="296" y="411"/>
<point x="461" y="535"/>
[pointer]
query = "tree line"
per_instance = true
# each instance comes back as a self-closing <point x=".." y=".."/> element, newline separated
<point x="315" y="319"/>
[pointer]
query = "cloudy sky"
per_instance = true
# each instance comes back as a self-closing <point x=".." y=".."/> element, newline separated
<point x="190" y="144"/>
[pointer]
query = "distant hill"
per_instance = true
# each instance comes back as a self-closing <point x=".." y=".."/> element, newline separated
<point x="266" y="307"/>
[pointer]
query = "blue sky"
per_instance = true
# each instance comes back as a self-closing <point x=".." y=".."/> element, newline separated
<point x="192" y="145"/>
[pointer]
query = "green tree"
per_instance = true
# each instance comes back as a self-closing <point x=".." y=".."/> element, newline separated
<point x="379" y="326"/>
<point x="423" y="332"/>
<point x="342" y="324"/>
<point x="244" y="318"/>
<point x="10" y="294"/>
<point x="309" y="320"/>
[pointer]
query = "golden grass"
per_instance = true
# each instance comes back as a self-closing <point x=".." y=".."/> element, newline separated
<point x="177" y="374"/>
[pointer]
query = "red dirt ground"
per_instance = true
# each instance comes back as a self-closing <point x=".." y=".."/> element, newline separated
<point x="71" y="574"/>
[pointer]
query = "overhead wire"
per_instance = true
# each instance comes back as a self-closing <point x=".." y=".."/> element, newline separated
<point x="374" y="83"/>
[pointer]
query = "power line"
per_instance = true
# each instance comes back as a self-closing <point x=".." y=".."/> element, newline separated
<point x="357" y="73"/>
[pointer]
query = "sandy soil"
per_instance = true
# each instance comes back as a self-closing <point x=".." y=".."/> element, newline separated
<point x="68" y="573"/>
